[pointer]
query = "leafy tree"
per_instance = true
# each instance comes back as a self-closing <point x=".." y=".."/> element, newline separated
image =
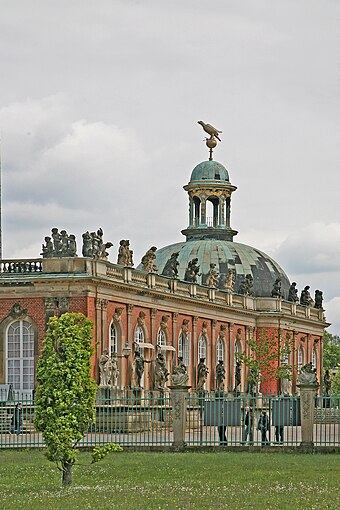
<point x="268" y="357"/>
<point x="66" y="392"/>
<point x="335" y="388"/>
<point x="331" y="351"/>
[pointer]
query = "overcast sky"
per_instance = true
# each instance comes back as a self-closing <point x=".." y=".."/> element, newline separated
<point x="98" y="116"/>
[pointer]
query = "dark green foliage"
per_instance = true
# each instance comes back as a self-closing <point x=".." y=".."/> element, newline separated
<point x="65" y="396"/>
<point x="331" y="351"/>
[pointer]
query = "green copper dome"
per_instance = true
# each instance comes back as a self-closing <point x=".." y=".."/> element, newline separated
<point x="226" y="255"/>
<point x="209" y="171"/>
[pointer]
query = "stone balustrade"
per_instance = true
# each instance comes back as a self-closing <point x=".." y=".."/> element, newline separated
<point x="136" y="277"/>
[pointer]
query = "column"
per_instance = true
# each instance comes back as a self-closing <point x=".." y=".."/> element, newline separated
<point x="231" y="357"/>
<point x="194" y="352"/>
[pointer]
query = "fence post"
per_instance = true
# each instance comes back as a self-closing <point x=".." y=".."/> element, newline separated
<point x="307" y="410"/>
<point x="179" y="412"/>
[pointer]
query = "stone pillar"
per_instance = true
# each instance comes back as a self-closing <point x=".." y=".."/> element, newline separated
<point x="179" y="413"/>
<point x="174" y="337"/>
<point x="231" y="358"/>
<point x="307" y="410"/>
<point x="129" y="335"/>
<point x="194" y="359"/>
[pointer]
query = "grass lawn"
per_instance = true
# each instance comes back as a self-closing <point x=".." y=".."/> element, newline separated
<point x="131" y="480"/>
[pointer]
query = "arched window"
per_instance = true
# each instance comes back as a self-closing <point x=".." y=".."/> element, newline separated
<point x="184" y="348"/>
<point x="20" y="356"/>
<point x="202" y="348"/>
<point x="219" y="351"/>
<point x="300" y="358"/>
<point x="113" y="347"/>
<point x="161" y="338"/>
<point x="314" y="358"/>
<point x="139" y="335"/>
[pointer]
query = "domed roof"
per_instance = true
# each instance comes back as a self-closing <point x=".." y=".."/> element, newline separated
<point x="209" y="171"/>
<point x="227" y="255"/>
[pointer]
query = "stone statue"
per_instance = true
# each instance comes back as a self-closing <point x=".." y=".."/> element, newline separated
<point x="305" y="298"/>
<point x="318" y="299"/>
<point x="93" y="245"/>
<point x="230" y="281"/>
<point x="148" y="260"/>
<point x="208" y="128"/>
<point x="171" y="266"/>
<point x="237" y="376"/>
<point x="246" y="286"/>
<point x="47" y="248"/>
<point x="220" y="375"/>
<point x="105" y="368"/>
<point x="293" y="293"/>
<point x="56" y="242"/>
<point x="87" y="245"/>
<point x="307" y="375"/>
<point x="212" y="277"/>
<point x="139" y="362"/>
<point x="202" y="374"/>
<point x="62" y="245"/>
<point x="114" y="370"/>
<point x="192" y="271"/>
<point x="125" y="255"/>
<point x="161" y="372"/>
<point x="286" y="386"/>
<point x="179" y="375"/>
<point x="276" y="291"/>
<point x="72" y="246"/>
<point x="327" y="382"/>
<point x="253" y="380"/>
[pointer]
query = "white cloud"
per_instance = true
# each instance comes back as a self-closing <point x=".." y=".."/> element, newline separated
<point x="333" y="315"/>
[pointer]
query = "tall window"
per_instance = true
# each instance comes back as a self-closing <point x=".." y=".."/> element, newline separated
<point x="161" y="338"/>
<point x="314" y="358"/>
<point x="113" y="348"/>
<point x="20" y="356"/>
<point x="139" y="335"/>
<point x="184" y="348"/>
<point x="219" y="351"/>
<point x="300" y="358"/>
<point x="202" y="348"/>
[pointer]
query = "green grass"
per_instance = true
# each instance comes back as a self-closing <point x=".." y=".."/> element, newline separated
<point x="130" y="480"/>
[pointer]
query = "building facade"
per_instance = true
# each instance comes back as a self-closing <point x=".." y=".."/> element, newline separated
<point x="207" y="299"/>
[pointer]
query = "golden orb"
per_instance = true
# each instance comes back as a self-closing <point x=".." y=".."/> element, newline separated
<point x="211" y="142"/>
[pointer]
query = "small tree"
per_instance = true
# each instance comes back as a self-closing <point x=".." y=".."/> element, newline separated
<point x="268" y="357"/>
<point x="66" y="392"/>
<point x="331" y="351"/>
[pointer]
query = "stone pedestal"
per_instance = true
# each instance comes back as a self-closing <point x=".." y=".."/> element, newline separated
<point x="307" y="409"/>
<point x="179" y="408"/>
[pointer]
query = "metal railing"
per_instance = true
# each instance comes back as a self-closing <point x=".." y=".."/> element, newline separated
<point x="212" y="419"/>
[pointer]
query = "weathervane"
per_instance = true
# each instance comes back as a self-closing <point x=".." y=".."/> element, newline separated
<point x="210" y="142"/>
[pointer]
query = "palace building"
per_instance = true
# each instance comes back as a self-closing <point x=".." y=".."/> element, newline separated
<point x="209" y="296"/>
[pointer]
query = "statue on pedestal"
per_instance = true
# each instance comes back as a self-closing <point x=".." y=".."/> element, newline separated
<point x="161" y="372"/>
<point x="139" y="362"/>
<point x="202" y="374"/>
<point x="105" y="368"/>
<point x="230" y="281"/>
<point x="125" y="255"/>
<point x="305" y="298"/>
<point x="276" y="291"/>
<point x="220" y="375"/>
<point x="237" y="376"/>
<point x="318" y="299"/>
<point x="179" y="375"/>
<point x="307" y="375"/>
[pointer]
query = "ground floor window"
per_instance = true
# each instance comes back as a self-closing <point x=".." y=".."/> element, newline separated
<point x="20" y="356"/>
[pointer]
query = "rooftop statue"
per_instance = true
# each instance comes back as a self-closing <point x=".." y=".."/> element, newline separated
<point x="318" y="299"/>
<point x="293" y="293"/>
<point x="305" y="298"/>
<point x="230" y="280"/>
<point x="192" y="271"/>
<point x="208" y="128"/>
<point x="276" y="292"/>
<point x="125" y="255"/>
<point x="171" y="266"/>
<point x="93" y="245"/>
<point x="59" y="245"/>
<point x="148" y="260"/>
<point x="246" y="286"/>
<point x="212" y="277"/>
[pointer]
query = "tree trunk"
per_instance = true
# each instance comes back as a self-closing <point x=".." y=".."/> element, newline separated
<point x="67" y="473"/>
